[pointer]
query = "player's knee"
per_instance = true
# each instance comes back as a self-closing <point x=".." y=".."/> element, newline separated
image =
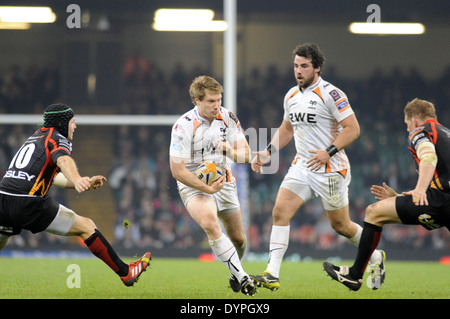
<point x="340" y="228"/>
<point x="86" y="226"/>
<point x="279" y="217"/>
<point x="371" y="214"/>
<point x="211" y="227"/>
<point x="239" y="240"/>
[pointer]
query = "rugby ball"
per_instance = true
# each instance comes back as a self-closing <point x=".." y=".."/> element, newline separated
<point x="209" y="172"/>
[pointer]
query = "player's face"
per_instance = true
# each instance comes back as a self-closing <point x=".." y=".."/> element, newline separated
<point x="410" y="124"/>
<point x="209" y="107"/>
<point x="72" y="127"/>
<point x="304" y="72"/>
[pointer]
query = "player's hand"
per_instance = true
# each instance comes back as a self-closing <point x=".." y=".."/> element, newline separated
<point x="382" y="192"/>
<point x="217" y="185"/>
<point x="261" y="158"/>
<point x="82" y="184"/>
<point x="97" y="181"/>
<point x="224" y="148"/>
<point x="419" y="197"/>
<point x="317" y="161"/>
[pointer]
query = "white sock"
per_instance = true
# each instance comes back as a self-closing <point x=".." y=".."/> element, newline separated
<point x="376" y="255"/>
<point x="224" y="249"/>
<point x="279" y="241"/>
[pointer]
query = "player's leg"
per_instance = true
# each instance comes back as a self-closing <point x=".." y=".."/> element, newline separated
<point x="233" y="225"/>
<point x="67" y="223"/>
<point x="340" y="221"/>
<point x="287" y="204"/>
<point x="203" y="210"/>
<point x="234" y="228"/>
<point x="3" y="241"/>
<point x="377" y="215"/>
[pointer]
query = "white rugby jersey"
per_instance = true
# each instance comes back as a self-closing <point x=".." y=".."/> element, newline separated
<point x="193" y="137"/>
<point x="315" y="115"/>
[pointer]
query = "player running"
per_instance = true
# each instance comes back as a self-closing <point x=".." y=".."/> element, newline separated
<point x="319" y="117"/>
<point x="210" y="132"/>
<point x="45" y="160"/>
<point x="428" y="204"/>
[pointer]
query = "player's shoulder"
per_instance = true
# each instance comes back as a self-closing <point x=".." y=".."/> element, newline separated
<point x="45" y="133"/>
<point x="293" y="91"/>
<point x="186" y="120"/>
<point x="330" y="91"/>
<point x="228" y="117"/>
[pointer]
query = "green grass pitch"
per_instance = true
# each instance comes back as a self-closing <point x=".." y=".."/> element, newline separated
<point x="190" y="279"/>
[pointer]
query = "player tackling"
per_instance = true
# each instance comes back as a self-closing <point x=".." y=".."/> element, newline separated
<point x="45" y="160"/>
<point x="428" y="204"/>
<point x="210" y="132"/>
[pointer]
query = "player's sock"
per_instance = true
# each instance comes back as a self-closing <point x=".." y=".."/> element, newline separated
<point x="376" y="257"/>
<point x="101" y="248"/>
<point x="370" y="238"/>
<point x="279" y="241"/>
<point x="224" y="249"/>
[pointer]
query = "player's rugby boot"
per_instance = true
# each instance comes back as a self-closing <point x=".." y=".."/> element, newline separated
<point x="266" y="280"/>
<point x="248" y="287"/>
<point x="234" y="283"/>
<point x="341" y="274"/>
<point x="377" y="273"/>
<point x="135" y="269"/>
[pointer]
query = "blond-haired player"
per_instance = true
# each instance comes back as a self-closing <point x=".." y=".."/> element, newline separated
<point x="210" y="132"/>
<point x="428" y="204"/>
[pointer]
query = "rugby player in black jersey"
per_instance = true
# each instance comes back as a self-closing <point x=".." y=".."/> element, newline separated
<point x="45" y="160"/>
<point x="428" y="204"/>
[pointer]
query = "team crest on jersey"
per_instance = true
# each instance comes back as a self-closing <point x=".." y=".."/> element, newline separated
<point x="179" y="128"/>
<point x="233" y="117"/>
<point x="335" y="95"/>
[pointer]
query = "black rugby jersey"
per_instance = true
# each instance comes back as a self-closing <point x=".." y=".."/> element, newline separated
<point x="32" y="169"/>
<point x="439" y="135"/>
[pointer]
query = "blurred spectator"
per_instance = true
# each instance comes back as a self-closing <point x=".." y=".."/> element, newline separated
<point x="146" y="193"/>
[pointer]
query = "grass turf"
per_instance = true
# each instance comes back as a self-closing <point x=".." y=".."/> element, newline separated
<point x="192" y="279"/>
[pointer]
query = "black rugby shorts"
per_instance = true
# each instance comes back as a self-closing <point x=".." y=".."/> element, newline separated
<point x="22" y="212"/>
<point x="433" y="216"/>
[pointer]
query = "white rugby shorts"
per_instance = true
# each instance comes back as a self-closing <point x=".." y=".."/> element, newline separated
<point x="226" y="199"/>
<point x="332" y="188"/>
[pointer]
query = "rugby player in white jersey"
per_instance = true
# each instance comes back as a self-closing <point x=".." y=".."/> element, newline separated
<point x="210" y="132"/>
<point x="320" y="119"/>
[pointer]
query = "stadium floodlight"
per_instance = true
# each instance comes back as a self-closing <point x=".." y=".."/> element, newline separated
<point x="27" y="15"/>
<point x="386" y="28"/>
<point x="187" y="20"/>
<point x="14" y="26"/>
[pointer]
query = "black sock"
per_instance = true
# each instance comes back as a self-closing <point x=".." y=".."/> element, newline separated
<point x="370" y="238"/>
<point x="101" y="248"/>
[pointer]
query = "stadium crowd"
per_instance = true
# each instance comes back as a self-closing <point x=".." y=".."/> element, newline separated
<point x="146" y="194"/>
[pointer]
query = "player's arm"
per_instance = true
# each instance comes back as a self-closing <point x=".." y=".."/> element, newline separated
<point x="61" y="181"/>
<point x="280" y="139"/>
<point x="70" y="171"/>
<point x="239" y="152"/>
<point x="183" y="175"/>
<point x="350" y="132"/>
<point x="383" y="192"/>
<point x="426" y="153"/>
